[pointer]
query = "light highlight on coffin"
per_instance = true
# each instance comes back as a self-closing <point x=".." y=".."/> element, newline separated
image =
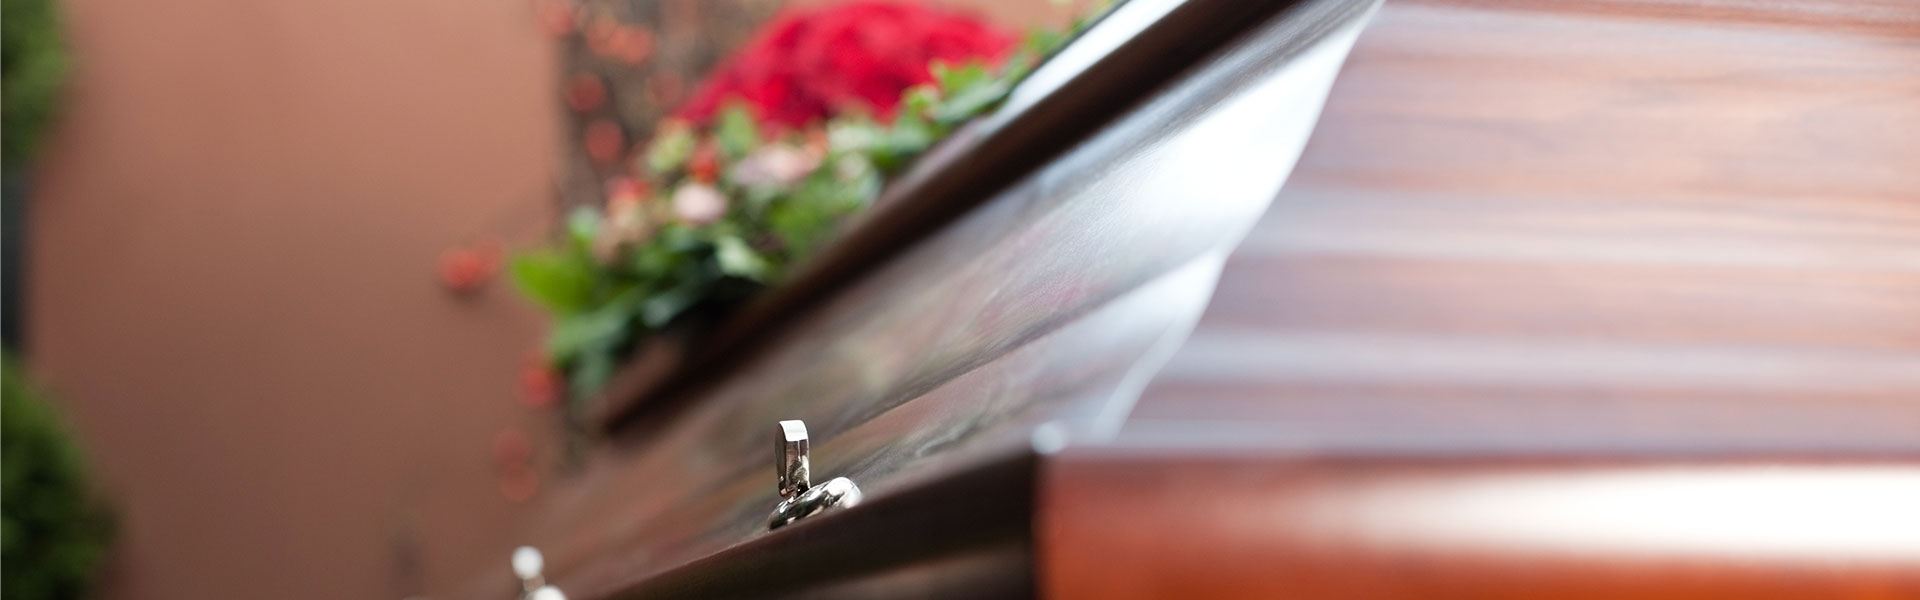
<point x="1825" y="513"/>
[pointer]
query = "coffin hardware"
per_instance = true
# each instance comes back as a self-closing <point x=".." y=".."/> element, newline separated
<point x="799" y="498"/>
<point x="527" y="565"/>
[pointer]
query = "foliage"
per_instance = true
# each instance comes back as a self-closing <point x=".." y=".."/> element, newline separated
<point x="739" y="202"/>
<point x="53" y="533"/>
<point x="32" y="65"/>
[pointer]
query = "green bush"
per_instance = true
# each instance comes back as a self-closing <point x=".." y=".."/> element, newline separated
<point x="33" y="62"/>
<point x="53" y="531"/>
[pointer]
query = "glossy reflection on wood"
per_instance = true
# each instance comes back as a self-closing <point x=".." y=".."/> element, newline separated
<point x="1121" y="524"/>
<point x="1589" y="299"/>
<point x="1046" y="304"/>
<point x="1594" y="225"/>
<point x="1567" y="300"/>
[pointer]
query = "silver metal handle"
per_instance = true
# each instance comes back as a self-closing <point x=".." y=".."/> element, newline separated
<point x="799" y="498"/>
<point x="527" y="565"/>
<point x="790" y="459"/>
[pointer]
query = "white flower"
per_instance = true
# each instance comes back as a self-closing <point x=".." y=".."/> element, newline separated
<point x="775" y="164"/>
<point x="699" y="204"/>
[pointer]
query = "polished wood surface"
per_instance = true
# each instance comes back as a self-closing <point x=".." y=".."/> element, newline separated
<point x="1650" y="265"/>
<point x="1573" y="228"/>
<point x="1065" y="102"/>
<point x="1567" y="300"/>
<point x="1044" y="308"/>
<point x="1120" y="524"/>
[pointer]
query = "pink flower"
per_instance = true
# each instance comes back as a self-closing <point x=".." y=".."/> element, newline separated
<point x="699" y="204"/>
<point x="624" y="191"/>
<point x="624" y="221"/>
<point x="778" y="164"/>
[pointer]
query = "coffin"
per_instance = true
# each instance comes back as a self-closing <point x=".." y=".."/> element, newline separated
<point x="1596" y="299"/>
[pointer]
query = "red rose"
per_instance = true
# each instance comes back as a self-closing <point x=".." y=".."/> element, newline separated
<point x="806" y="64"/>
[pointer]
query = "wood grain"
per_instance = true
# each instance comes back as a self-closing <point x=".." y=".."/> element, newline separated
<point x="1606" y="225"/>
<point x="1046" y="305"/>
<point x="1647" y="265"/>
<point x="1121" y="524"/>
<point x="1569" y="300"/>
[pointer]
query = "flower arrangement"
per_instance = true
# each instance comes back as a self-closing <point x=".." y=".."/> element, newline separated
<point x="794" y="132"/>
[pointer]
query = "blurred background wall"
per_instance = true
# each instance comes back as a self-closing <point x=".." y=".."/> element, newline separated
<point x="231" y="283"/>
<point x="234" y="232"/>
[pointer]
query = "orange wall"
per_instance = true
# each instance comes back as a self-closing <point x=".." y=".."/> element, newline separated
<point x="231" y="283"/>
<point x="233" y="242"/>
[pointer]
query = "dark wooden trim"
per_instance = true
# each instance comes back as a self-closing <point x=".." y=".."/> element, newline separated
<point x="951" y="537"/>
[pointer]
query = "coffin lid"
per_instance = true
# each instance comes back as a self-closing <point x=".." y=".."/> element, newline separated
<point x="1016" y="288"/>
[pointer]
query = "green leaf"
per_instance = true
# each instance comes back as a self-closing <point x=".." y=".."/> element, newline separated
<point x="561" y="280"/>
<point x="670" y="149"/>
<point x="739" y="260"/>
<point x="971" y="102"/>
<point x="854" y="135"/>
<point x="967" y="91"/>
<point x="661" y="308"/>
<point x="1041" y="42"/>
<point x="590" y="332"/>
<point x="583" y="224"/>
<point x="952" y="79"/>
<point x="911" y="134"/>
<point x="35" y="69"/>
<point x="655" y="261"/>
<point x="53" y="527"/>
<point x="736" y="131"/>
<point x="590" y="372"/>
<point x="920" y="99"/>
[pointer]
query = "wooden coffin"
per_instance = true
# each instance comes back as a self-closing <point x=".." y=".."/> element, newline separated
<point x="1588" y="299"/>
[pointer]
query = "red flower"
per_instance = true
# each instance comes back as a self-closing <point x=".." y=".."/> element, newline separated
<point x="704" y="165"/>
<point x="807" y="64"/>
